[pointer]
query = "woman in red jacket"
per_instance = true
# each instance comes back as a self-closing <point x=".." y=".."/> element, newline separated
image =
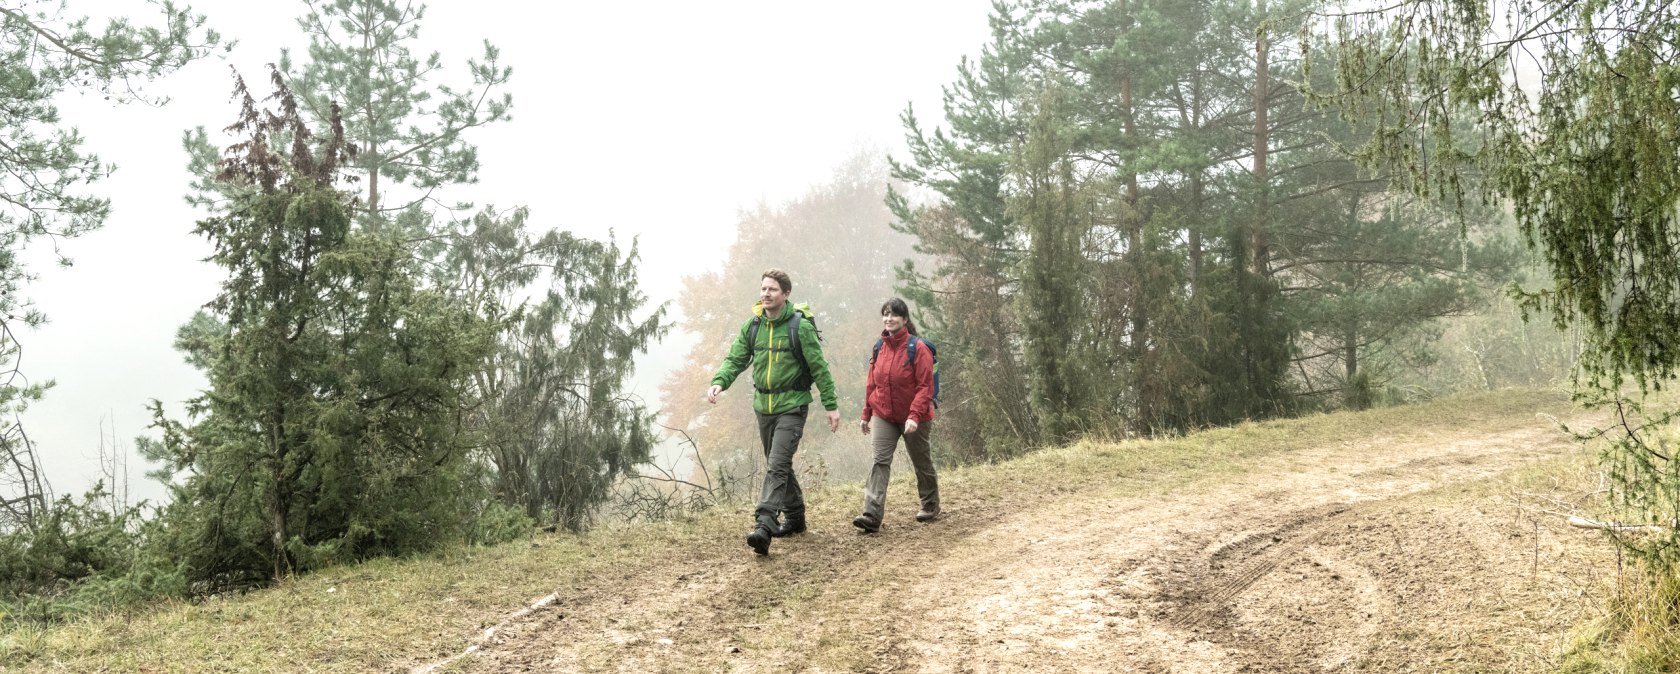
<point x="898" y="402"/>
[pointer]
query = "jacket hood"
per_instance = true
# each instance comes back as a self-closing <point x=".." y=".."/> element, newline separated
<point x="758" y="310"/>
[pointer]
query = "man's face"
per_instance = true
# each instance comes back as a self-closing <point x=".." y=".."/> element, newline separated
<point x="771" y="295"/>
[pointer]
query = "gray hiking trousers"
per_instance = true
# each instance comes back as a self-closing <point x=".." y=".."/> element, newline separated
<point x="883" y="437"/>
<point x="781" y="434"/>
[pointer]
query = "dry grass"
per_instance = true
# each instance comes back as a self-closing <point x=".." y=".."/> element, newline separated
<point x="392" y="614"/>
<point x="1620" y="616"/>
<point x="371" y="616"/>
<point x="1636" y="631"/>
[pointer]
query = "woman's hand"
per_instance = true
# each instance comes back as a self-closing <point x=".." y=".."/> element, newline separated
<point x="865" y="425"/>
<point x="910" y="426"/>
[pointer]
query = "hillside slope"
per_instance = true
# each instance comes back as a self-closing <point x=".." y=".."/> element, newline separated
<point x="1405" y="539"/>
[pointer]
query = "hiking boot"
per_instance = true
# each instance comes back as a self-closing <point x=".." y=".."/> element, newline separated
<point x="927" y="514"/>
<point x="867" y="522"/>
<point x="759" y="540"/>
<point x="790" y="527"/>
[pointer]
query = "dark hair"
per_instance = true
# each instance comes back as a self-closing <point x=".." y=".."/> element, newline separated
<point x="897" y="307"/>
<point x="782" y="278"/>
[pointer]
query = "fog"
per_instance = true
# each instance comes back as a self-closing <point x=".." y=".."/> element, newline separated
<point x="650" y="120"/>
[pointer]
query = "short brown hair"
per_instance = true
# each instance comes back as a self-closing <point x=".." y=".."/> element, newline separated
<point x="782" y="279"/>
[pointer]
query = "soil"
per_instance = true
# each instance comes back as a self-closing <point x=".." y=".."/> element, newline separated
<point x="1387" y="555"/>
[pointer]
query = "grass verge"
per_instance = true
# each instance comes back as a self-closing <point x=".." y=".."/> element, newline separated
<point x="392" y="614"/>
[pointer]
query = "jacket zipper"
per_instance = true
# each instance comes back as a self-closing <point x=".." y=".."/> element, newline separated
<point x="770" y="369"/>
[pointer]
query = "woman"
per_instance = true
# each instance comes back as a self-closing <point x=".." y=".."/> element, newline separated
<point x="898" y="402"/>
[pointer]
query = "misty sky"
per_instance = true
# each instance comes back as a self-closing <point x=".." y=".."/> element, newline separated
<point x="656" y="119"/>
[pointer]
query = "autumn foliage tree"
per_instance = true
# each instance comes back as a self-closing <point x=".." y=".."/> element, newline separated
<point x="835" y="243"/>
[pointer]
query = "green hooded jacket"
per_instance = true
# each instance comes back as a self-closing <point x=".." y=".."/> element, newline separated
<point x="774" y="367"/>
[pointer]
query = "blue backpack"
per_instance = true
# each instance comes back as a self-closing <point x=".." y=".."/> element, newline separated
<point x="910" y="350"/>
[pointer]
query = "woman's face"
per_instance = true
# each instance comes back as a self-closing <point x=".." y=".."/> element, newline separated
<point x="892" y="322"/>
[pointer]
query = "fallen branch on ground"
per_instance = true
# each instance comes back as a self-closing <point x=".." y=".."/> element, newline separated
<point x="1584" y="523"/>
<point x="486" y="635"/>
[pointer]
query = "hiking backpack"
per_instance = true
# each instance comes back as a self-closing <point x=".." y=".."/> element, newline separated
<point x="805" y="381"/>
<point x="910" y="351"/>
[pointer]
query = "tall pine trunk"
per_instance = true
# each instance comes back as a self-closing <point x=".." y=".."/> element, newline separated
<point x="1196" y="235"/>
<point x="1257" y="236"/>
<point x="1134" y="219"/>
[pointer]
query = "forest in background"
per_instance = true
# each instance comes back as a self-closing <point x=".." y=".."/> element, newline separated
<point x="1131" y="223"/>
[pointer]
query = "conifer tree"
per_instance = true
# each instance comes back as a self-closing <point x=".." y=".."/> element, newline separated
<point x="44" y="170"/>
<point x="551" y="415"/>
<point x="331" y="426"/>
<point x="408" y="131"/>
<point x="1565" y="112"/>
<point x="1163" y="200"/>
<point x="546" y="410"/>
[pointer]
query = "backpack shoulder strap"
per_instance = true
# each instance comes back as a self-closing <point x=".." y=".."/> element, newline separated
<point x="798" y="349"/>
<point x="910" y="348"/>
<point x="793" y="337"/>
<point x="876" y="352"/>
<point x="752" y="335"/>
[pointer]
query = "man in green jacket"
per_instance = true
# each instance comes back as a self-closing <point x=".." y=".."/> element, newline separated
<point x="782" y="374"/>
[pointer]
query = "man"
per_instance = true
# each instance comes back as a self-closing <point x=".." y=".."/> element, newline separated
<point x="782" y="374"/>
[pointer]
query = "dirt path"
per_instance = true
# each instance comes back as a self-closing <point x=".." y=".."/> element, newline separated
<point x="1355" y="556"/>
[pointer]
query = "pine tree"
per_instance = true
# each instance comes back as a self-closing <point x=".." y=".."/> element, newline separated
<point x="405" y="134"/>
<point x="551" y="415"/>
<point x="44" y="169"/>
<point x="1053" y="293"/>
<point x="976" y="245"/>
<point x="1579" y="143"/>
<point x="546" y="408"/>
<point x="332" y="420"/>
<point x="1161" y="187"/>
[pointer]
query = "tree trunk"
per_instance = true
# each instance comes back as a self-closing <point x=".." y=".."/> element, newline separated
<point x="1257" y="236"/>
<point x="1350" y="356"/>
<point x="1134" y="219"/>
<point x="1196" y="235"/>
<point x="372" y="150"/>
<point x="278" y="502"/>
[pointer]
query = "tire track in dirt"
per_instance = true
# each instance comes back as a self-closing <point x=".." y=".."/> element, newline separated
<point x="1264" y="572"/>
<point x="1257" y="555"/>
<point x="1156" y="584"/>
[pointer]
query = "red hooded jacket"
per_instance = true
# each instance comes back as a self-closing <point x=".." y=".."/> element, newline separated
<point x="894" y="390"/>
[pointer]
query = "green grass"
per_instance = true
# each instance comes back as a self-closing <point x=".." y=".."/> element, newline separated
<point x="387" y="613"/>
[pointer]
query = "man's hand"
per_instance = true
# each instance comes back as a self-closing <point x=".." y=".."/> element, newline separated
<point x="866" y="427"/>
<point x="910" y="425"/>
<point x="711" y="393"/>
<point x="833" y="421"/>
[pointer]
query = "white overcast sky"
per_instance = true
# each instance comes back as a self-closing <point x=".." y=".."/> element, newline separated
<point x="654" y="119"/>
